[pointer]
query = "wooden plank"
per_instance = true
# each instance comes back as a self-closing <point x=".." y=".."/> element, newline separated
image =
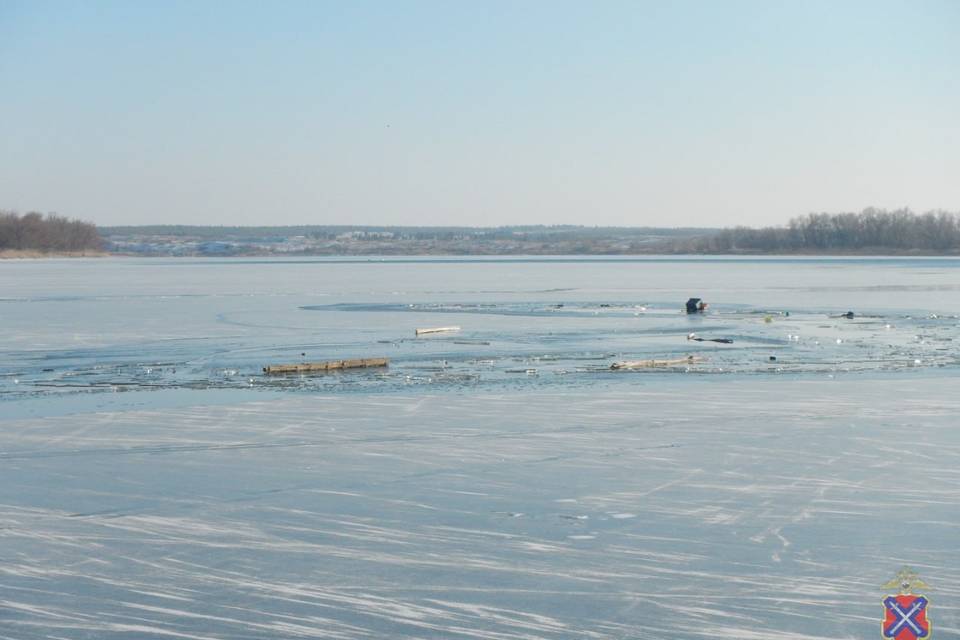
<point x="329" y="365"/>
<point x="649" y="364"/>
<point x="420" y="332"/>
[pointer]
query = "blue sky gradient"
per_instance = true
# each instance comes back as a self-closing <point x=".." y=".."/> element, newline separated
<point x="484" y="113"/>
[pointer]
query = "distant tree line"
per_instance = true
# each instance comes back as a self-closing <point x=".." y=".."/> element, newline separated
<point x="47" y="233"/>
<point x="899" y="231"/>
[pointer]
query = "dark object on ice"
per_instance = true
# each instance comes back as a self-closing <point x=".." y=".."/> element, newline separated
<point x="695" y="305"/>
<point x="696" y="338"/>
<point x="773" y="358"/>
<point x="848" y="315"/>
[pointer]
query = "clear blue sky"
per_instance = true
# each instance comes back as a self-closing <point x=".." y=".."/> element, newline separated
<point x="478" y="113"/>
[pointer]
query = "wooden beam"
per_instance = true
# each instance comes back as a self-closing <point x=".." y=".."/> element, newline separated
<point x="650" y="364"/>
<point x="420" y="332"/>
<point x="330" y="365"/>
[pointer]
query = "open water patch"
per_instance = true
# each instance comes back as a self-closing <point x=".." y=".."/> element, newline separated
<point x="500" y="344"/>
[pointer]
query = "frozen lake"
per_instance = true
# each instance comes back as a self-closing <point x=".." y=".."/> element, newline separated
<point x="497" y="482"/>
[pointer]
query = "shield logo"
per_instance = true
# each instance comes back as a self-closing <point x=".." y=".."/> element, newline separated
<point x="905" y="616"/>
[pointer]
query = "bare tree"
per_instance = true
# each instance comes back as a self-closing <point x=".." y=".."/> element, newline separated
<point x="34" y="231"/>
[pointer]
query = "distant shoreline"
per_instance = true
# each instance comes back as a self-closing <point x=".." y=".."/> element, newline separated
<point x="34" y="254"/>
<point x="870" y="232"/>
<point x="39" y="255"/>
<point x="875" y="252"/>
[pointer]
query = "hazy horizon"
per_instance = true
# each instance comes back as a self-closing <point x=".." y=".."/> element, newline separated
<point x="632" y="114"/>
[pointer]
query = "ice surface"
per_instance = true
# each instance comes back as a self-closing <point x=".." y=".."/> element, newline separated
<point x="690" y="508"/>
<point x="215" y="325"/>
<point x="499" y="483"/>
